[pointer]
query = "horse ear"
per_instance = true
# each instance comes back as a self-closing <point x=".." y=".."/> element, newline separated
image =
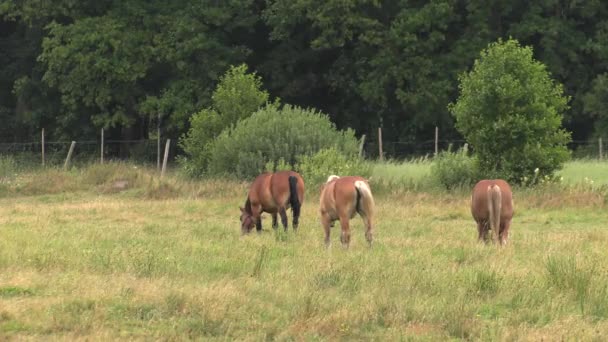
<point x="242" y="209"/>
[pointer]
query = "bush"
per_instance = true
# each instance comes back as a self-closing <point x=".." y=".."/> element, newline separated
<point x="8" y="167"/>
<point x="510" y="111"/>
<point x="272" y="134"/>
<point x="237" y="96"/>
<point x="454" y="169"/>
<point x="316" y="168"/>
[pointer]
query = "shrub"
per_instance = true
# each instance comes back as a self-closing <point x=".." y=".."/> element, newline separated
<point x="237" y="96"/>
<point x="8" y="166"/>
<point x="510" y="111"/>
<point x="454" y="169"/>
<point x="271" y="134"/>
<point x="316" y="168"/>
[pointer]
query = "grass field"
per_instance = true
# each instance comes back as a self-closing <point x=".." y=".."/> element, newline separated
<point x="80" y="259"/>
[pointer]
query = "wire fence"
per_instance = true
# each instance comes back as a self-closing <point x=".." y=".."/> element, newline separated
<point x="147" y="151"/>
<point x="580" y="149"/>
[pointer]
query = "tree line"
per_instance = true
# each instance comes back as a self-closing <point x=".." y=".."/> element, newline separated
<point x="74" y="67"/>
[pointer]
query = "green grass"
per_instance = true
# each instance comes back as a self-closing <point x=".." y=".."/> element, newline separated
<point x="168" y="263"/>
<point x="584" y="171"/>
<point x="415" y="174"/>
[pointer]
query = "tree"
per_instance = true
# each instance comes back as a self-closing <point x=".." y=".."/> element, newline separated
<point x="238" y="95"/>
<point x="510" y="111"/>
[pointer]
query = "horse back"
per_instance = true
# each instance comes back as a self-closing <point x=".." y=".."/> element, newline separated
<point x="479" y="199"/>
<point x="259" y="191"/>
<point x="339" y="196"/>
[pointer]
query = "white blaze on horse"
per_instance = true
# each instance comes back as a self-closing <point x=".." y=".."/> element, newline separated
<point x="342" y="198"/>
<point x="492" y="209"/>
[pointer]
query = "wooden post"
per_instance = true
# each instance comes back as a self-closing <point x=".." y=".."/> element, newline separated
<point x="158" y="143"/>
<point x="67" y="160"/>
<point x="465" y="148"/>
<point x="380" y="144"/>
<point x="102" y="145"/>
<point x="162" y="173"/>
<point x="361" y="146"/>
<point x="601" y="148"/>
<point x="42" y="142"/>
<point x="436" y="140"/>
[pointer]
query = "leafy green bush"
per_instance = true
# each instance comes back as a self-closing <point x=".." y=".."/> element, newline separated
<point x="316" y="168"/>
<point x="237" y="96"/>
<point x="8" y="166"/>
<point x="271" y="134"/>
<point x="454" y="169"/>
<point x="510" y="111"/>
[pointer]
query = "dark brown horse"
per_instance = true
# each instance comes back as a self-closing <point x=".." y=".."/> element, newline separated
<point x="342" y="198"/>
<point x="273" y="193"/>
<point x="492" y="209"/>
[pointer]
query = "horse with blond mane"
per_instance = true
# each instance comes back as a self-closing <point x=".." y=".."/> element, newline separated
<point x="492" y="209"/>
<point x="273" y="193"/>
<point x="342" y="198"/>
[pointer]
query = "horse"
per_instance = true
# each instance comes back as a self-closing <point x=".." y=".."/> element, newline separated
<point x="273" y="193"/>
<point x="341" y="198"/>
<point x="492" y="208"/>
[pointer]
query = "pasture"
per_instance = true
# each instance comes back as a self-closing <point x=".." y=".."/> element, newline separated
<point x="80" y="259"/>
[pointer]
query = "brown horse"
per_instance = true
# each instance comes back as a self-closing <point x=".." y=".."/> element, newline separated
<point x="273" y="193"/>
<point x="492" y="209"/>
<point x="343" y="197"/>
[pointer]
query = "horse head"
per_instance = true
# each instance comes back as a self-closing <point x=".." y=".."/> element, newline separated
<point x="247" y="221"/>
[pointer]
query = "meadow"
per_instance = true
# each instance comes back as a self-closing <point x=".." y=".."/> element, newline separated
<point x="82" y="258"/>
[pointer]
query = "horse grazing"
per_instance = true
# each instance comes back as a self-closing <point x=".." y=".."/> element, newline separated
<point x="273" y="193"/>
<point x="492" y="209"/>
<point x="343" y="197"/>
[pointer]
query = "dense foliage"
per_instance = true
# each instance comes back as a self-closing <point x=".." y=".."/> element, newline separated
<point x="236" y="97"/>
<point x="510" y="111"/>
<point x="75" y="66"/>
<point x="273" y="134"/>
<point x="330" y="161"/>
<point x="455" y="169"/>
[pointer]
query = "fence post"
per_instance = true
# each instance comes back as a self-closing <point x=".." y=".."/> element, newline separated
<point x="42" y="142"/>
<point x="361" y="146"/>
<point x="67" y="160"/>
<point x="162" y="173"/>
<point x="102" y="145"/>
<point x="436" y="140"/>
<point x="601" y="148"/>
<point x="380" y="143"/>
<point x="158" y="143"/>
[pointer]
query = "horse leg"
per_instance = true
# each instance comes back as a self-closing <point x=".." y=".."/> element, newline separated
<point x="345" y="237"/>
<point x="504" y="232"/>
<point x="369" y="236"/>
<point x="283" y="214"/>
<point x="274" y="221"/>
<point x="258" y="224"/>
<point x="483" y="232"/>
<point x="327" y="224"/>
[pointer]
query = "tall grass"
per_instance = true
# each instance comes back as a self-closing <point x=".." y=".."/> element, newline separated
<point x="88" y="263"/>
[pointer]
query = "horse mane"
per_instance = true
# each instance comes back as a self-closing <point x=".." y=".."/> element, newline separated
<point x="248" y="206"/>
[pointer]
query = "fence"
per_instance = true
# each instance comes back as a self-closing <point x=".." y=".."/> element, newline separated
<point x="55" y="153"/>
<point x="151" y="152"/>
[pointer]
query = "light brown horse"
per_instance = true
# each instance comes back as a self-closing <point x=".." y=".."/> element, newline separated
<point x="342" y="198"/>
<point x="273" y="193"/>
<point x="492" y="209"/>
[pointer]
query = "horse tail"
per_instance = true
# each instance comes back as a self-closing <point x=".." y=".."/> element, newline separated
<point x="494" y="208"/>
<point x="365" y="200"/>
<point x="294" y="200"/>
<point x="331" y="178"/>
